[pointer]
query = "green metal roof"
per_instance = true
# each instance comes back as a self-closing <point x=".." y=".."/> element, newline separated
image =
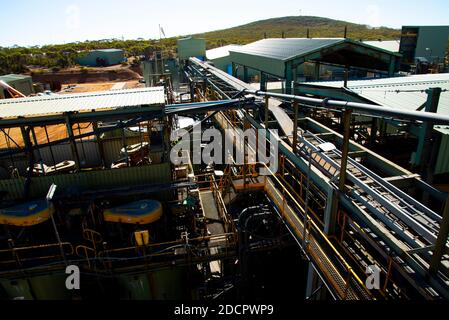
<point x="278" y="56"/>
<point x="14" y="77"/>
<point x="292" y="48"/>
<point x="286" y="49"/>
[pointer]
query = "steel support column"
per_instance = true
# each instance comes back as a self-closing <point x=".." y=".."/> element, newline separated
<point x="440" y="245"/>
<point x="346" y="77"/>
<point x="392" y="66"/>
<point x="99" y="142"/>
<point x="347" y="116"/>
<point x="75" y="154"/>
<point x="314" y="284"/>
<point x="263" y="81"/>
<point x="245" y="74"/>
<point x="36" y="143"/>
<point x="426" y="140"/>
<point x="29" y="150"/>
<point x="295" y="127"/>
<point x="288" y="78"/>
<point x="317" y="71"/>
<point x="267" y="112"/>
<point x="373" y="135"/>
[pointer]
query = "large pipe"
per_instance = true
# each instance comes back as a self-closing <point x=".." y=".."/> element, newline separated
<point x="362" y="108"/>
<point x="365" y="109"/>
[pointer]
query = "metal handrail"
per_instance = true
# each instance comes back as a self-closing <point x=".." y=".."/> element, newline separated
<point x="101" y="254"/>
<point x="17" y="251"/>
<point x="320" y="232"/>
<point x="348" y="268"/>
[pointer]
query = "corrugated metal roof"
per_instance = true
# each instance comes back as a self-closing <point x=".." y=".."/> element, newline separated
<point x="401" y="92"/>
<point x="189" y="38"/>
<point x="220" y="52"/>
<point x="107" y="50"/>
<point x="286" y="49"/>
<point x="389" y="45"/>
<point x="14" y="77"/>
<point x="33" y="106"/>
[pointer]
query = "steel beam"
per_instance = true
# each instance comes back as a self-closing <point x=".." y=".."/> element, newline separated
<point x="75" y="154"/>
<point x="440" y="245"/>
<point x="295" y="127"/>
<point x="360" y="108"/>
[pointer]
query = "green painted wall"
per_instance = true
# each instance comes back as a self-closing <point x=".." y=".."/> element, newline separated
<point x="191" y="47"/>
<point x="435" y="38"/>
<point x="20" y="82"/>
<point x="271" y="66"/>
<point x="166" y="284"/>
<point x="442" y="165"/>
<point x="45" y="287"/>
<point x="110" y="56"/>
<point x="96" y="180"/>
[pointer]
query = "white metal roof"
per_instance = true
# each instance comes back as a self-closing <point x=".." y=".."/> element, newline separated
<point x="220" y="52"/>
<point x="401" y="92"/>
<point x="57" y="104"/>
<point x="389" y="45"/>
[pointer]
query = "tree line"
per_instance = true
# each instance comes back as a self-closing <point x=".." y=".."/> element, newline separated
<point x="23" y="59"/>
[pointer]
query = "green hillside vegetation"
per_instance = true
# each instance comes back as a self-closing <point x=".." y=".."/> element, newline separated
<point x="296" y="27"/>
<point x="22" y="59"/>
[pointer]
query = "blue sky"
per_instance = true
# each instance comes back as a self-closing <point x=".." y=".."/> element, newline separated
<point x="37" y="22"/>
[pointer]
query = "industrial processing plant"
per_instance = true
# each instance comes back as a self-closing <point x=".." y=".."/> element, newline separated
<point x="210" y="167"/>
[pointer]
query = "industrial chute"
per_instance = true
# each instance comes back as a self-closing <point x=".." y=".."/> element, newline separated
<point x="14" y="93"/>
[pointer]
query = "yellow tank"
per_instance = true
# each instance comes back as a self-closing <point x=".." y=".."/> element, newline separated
<point x="26" y="214"/>
<point x="140" y="212"/>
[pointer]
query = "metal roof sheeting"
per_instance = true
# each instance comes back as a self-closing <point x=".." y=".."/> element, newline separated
<point x="58" y="104"/>
<point x="286" y="49"/>
<point x="220" y="52"/>
<point x="14" y="77"/>
<point x="390" y="45"/>
<point x="401" y="92"/>
<point x="108" y="50"/>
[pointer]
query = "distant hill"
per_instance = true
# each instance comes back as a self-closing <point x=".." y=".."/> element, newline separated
<point x="296" y="27"/>
<point x="62" y="56"/>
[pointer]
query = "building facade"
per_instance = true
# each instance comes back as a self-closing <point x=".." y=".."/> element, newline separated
<point x="102" y="58"/>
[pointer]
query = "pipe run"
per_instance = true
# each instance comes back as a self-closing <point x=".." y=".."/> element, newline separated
<point x="362" y="108"/>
